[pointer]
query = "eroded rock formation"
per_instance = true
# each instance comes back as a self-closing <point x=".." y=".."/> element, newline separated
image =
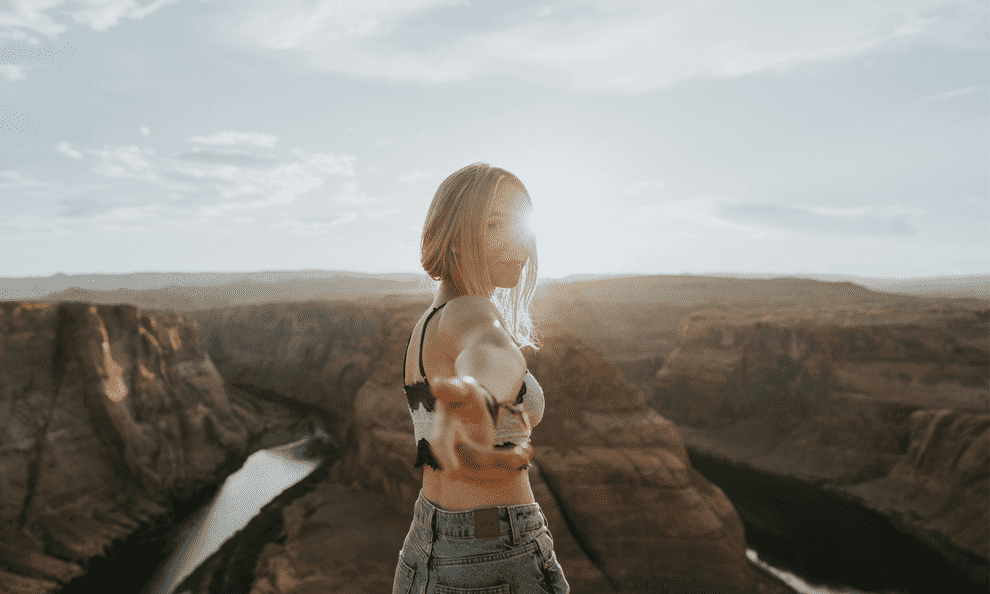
<point x="626" y="509"/>
<point x="624" y="482"/>
<point x="940" y="486"/>
<point x="886" y="406"/>
<point x="107" y="417"/>
<point x="612" y="476"/>
<point x="314" y="354"/>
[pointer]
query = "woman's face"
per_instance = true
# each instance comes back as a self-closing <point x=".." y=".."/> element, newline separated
<point x="509" y="239"/>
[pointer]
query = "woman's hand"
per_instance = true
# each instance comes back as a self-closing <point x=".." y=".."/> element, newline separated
<point x="464" y="435"/>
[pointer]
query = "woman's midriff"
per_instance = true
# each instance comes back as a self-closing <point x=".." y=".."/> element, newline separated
<point x="494" y="488"/>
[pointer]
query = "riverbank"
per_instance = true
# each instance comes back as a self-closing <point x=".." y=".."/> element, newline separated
<point x="130" y="563"/>
<point x="324" y="536"/>
<point x="841" y="543"/>
<point x="264" y="475"/>
<point x="318" y="515"/>
<point x="225" y="570"/>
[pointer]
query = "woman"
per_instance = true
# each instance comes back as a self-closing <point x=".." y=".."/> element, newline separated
<point x="476" y="525"/>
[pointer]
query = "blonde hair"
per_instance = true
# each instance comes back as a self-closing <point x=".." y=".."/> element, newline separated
<point x="453" y="240"/>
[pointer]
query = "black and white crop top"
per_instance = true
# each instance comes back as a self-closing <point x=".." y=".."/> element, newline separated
<point x="510" y="428"/>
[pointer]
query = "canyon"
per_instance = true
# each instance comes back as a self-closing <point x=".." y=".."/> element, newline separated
<point x="111" y="420"/>
<point x="793" y="396"/>
<point x="881" y="409"/>
<point x="609" y="473"/>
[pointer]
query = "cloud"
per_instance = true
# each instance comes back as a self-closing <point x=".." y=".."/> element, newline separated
<point x="324" y="225"/>
<point x="26" y="53"/>
<point x="255" y="188"/>
<point x="594" y="45"/>
<point x="699" y="210"/>
<point x="14" y="119"/>
<point x="232" y="137"/>
<point x="98" y="15"/>
<point x="15" y="180"/>
<point x="209" y="186"/>
<point x="12" y="72"/>
<point x="60" y="215"/>
<point x="30" y="15"/>
<point x="952" y="94"/>
<point x="128" y="162"/>
<point x="63" y="147"/>
<point x="295" y="22"/>
<point x="80" y="209"/>
<point x="235" y="157"/>
<point x="636" y="189"/>
<point x="384" y="213"/>
<point x="349" y="195"/>
<point x="177" y="191"/>
<point x="101" y="15"/>
<point x="817" y="220"/>
<point x="313" y="226"/>
<point x="23" y="226"/>
<point x="415" y="176"/>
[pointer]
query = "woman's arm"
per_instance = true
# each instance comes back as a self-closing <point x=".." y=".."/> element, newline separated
<point x="472" y="336"/>
<point x="464" y="434"/>
<point x="486" y="361"/>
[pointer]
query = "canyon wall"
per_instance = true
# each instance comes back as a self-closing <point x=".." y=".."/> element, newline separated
<point x="610" y="473"/>
<point x="313" y="355"/>
<point x="887" y="407"/>
<point x="108" y="418"/>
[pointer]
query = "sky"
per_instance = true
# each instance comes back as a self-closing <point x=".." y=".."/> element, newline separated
<point x="715" y="136"/>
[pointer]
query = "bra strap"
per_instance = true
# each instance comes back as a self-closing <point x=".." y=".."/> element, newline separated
<point x="422" y="370"/>
<point x="405" y="357"/>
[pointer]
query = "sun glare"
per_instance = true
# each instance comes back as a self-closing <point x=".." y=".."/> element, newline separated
<point x="554" y="239"/>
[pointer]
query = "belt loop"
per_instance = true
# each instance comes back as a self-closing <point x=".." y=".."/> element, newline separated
<point x="432" y="523"/>
<point x="514" y="525"/>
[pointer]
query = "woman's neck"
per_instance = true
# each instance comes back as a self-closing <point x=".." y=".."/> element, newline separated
<point x="447" y="291"/>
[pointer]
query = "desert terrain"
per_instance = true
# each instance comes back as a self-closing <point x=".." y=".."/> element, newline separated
<point x="688" y="417"/>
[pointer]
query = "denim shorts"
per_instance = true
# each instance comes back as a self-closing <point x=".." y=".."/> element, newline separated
<point x="492" y="550"/>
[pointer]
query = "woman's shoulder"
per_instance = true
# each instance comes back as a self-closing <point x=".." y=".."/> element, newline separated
<point x="467" y="311"/>
<point x="471" y="316"/>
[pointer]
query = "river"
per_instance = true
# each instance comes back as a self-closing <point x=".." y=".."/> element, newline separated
<point x="799" y="584"/>
<point x="263" y="476"/>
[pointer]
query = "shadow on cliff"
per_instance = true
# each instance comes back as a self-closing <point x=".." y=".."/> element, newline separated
<point x="112" y="421"/>
<point x="855" y="441"/>
<point x="610" y="473"/>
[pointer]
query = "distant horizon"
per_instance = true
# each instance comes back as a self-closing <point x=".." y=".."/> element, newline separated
<point x="335" y="284"/>
<point x="765" y="275"/>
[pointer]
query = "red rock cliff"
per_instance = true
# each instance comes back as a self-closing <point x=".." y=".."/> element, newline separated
<point x="626" y="508"/>
<point x="888" y="406"/>
<point x="107" y="416"/>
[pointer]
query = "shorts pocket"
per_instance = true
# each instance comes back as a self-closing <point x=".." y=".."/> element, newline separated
<point x="404" y="576"/>
<point x="553" y="574"/>
<point x="500" y="589"/>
